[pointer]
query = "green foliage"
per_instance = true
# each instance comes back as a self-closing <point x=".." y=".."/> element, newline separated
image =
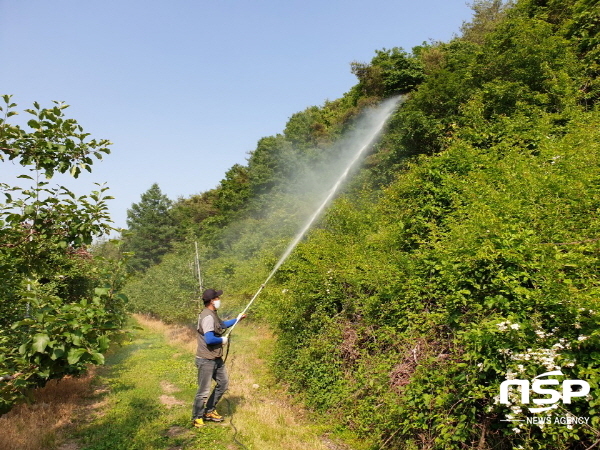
<point x="151" y="229"/>
<point x="63" y="337"/>
<point x="189" y="213"/>
<point x="133" y="416"/>
<point x="60" y="336"/>
<point x="169" y="290"/>
<point x="487" y="14"/>
<point x="305" y="128"/>
<point x="54" y="144"/>
<point x="234" y="190"/>
<point x="43" y="215"/>
<point x="391" y="72"/>
<point x="465" y="252"/>
<point x="59" y="308"/>
<point x="264" y="164"/>
<point x="527" y="51"/>
<point x="581" y="27"/>
<point x="479" y="239"/>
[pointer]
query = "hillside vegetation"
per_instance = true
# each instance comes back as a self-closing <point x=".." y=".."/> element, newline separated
<point x="464" y="252"/>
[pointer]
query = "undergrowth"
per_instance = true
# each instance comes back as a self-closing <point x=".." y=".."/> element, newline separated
<point x="147" y="405"/>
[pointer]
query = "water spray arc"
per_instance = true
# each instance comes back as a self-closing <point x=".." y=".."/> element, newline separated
<point x="379" y="119"/>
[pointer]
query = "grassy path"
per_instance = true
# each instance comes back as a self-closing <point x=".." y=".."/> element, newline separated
<point x="144" y="394"/>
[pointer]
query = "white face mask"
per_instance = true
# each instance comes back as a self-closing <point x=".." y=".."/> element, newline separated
<point x="217" y="304"/>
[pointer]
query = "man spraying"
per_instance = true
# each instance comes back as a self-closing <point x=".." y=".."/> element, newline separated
<point x="209" y="359"/>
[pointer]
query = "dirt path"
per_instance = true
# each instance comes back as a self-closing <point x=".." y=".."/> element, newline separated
<point x="262" y="413"/>
<point x="142" y="399"/>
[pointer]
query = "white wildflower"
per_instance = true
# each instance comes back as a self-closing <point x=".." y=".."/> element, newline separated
<point x="516" y="409"/>
<point x="515" y="326"/>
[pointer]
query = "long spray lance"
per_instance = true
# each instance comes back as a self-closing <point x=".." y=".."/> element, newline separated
<point x="247" y="307"/>
<point x="387" y="109"/>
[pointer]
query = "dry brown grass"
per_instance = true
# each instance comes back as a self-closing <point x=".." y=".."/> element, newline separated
<point x="263" y="414"/>
<point x="175" y="334"/>
<point x="43" y="423"/>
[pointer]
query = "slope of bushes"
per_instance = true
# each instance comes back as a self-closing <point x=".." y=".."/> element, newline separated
<point x="464" y="253"/>
<point x="404" y="318"/>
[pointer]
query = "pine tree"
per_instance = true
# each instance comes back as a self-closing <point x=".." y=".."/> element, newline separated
<point x="151" y="229"/>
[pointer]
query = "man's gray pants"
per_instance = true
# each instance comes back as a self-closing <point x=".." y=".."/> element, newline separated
<point x="208" y="370"/>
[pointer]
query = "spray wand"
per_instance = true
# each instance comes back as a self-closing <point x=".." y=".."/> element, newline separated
<point x="229" y="331"/>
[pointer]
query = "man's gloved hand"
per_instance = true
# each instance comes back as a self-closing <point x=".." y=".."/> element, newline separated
<point x="225" y="339"/>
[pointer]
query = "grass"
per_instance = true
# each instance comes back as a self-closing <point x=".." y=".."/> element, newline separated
<point x="142" y="398"/>
<point x="43" y="422"/>
<point x="264" y="416"/>
<point x="150" y="386"/>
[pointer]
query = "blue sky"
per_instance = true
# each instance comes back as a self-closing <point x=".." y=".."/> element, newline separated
<point x="185" y="88"/>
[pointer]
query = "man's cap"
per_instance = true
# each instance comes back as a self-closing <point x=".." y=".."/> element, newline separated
<point x="209" y="294"/>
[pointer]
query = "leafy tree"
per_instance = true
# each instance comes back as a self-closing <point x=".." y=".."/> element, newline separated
<point x="391" y="72"/>
<point x="263" y="164"/>
<point x="151" y="229"/>
<point x="40" y="223"/>
<point x="582" y="26"/>
<point x="107" y="248"/>
<point x="58" y="306"/>
<point x="234" y="190"/>
<point x="305" y="128"/>
<point x="487" y="14"/>
<point x="189" y="213"/>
